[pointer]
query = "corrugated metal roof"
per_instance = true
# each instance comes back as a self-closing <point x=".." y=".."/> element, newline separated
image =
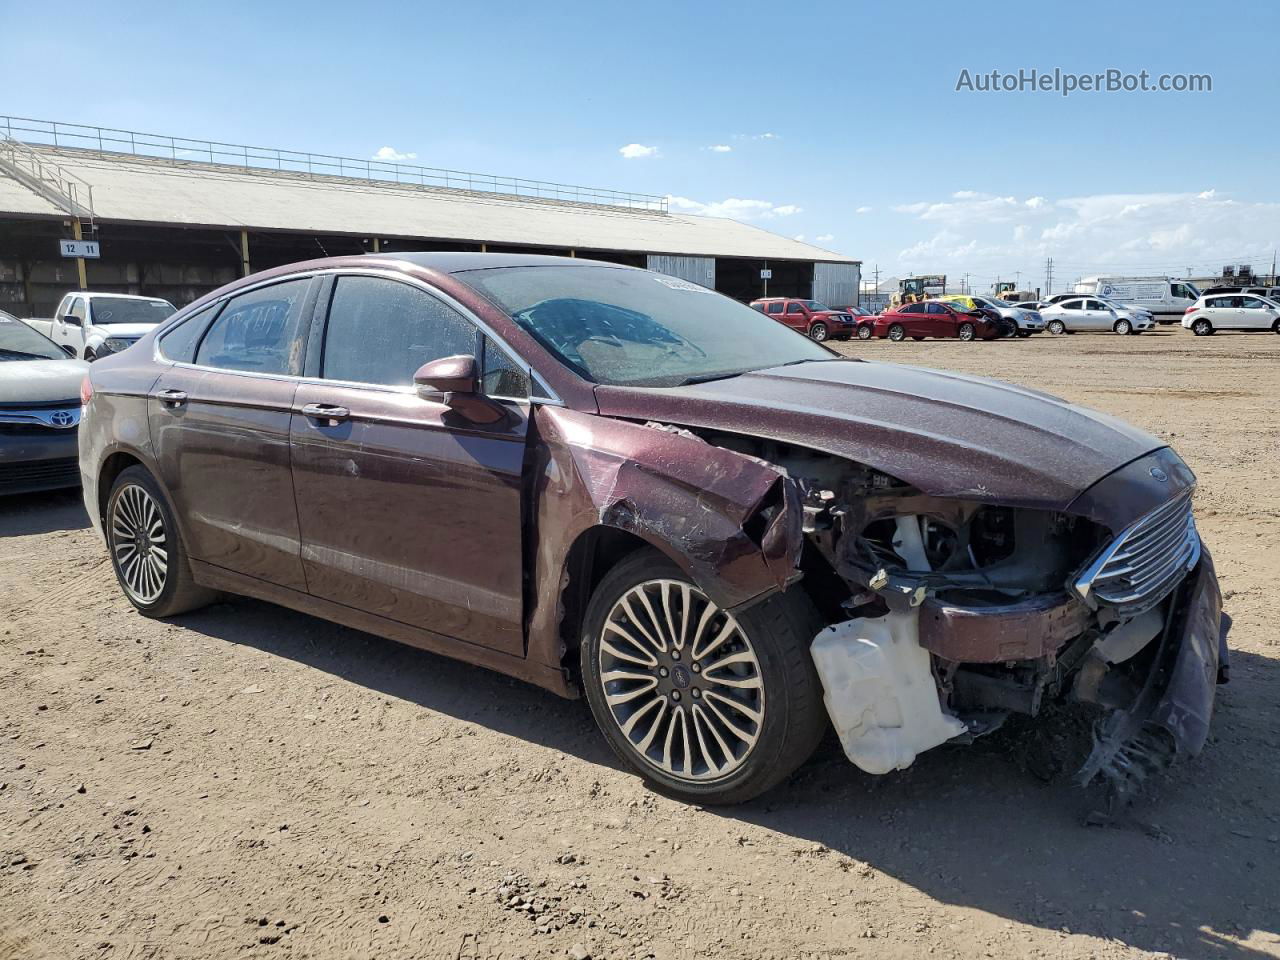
<point x="137" y="189"/>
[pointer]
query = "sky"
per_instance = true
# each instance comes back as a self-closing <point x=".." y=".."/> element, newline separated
<point x="839" y="123"/>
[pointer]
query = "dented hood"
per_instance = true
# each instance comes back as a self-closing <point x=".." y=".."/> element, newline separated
<point x="948" y="434"/>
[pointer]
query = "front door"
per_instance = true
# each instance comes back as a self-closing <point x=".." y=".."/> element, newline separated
<point x="409" y="510"/>
<point x="1097" y="316"/>
<point x="796" y="318"/>
<point x="220" y="428"/>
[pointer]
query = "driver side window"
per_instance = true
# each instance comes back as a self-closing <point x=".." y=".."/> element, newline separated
<point x="381" y="331"/>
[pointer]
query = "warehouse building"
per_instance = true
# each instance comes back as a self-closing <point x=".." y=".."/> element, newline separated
<point x="126" y="212"/>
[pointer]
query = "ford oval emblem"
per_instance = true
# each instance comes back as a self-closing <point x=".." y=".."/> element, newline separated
<point x="1159" y="474"/>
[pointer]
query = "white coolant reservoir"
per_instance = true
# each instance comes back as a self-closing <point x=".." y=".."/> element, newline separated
<point x="880" y="692"/>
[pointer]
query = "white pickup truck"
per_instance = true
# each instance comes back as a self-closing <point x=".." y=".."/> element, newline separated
<point x="93" y="325"/>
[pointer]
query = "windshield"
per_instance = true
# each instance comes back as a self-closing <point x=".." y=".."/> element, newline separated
<point x="997" y="302"/>
<point x="20" y="342"/>
<point x="815" y="305"/>
<point x="632" y="327"/>
<point x="121" y="310"/>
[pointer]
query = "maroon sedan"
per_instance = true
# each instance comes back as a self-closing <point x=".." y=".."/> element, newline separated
<point x="621" y="485"/>
<point x="934" y="318"/>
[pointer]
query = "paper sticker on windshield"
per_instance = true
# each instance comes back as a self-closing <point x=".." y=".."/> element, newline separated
<point x="675" y="283"/>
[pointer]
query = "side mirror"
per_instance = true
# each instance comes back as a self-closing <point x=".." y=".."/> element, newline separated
<point x="439" y="379"/>
<point x="69" y="350"/>
<point x="455" y="382"/>
<point x="71" y="321"/>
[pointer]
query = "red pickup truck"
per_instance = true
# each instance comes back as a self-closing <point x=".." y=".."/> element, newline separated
<point x="810" y="317"/>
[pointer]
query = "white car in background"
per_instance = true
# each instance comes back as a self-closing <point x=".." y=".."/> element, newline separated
<point x="93" y="325"/>
<point x="39" y="411"/>
<point x="1232" y="311"/>
<point x="1073" y="314"/>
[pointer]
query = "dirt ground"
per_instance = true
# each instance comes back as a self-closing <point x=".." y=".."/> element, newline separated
<point x="247" y="781"/>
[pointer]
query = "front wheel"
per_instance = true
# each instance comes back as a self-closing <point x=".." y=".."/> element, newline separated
<point x="897" y="333"/>
<point x="819" y="331"/>
<point x="706" y="706"/>
<point x="1056" y="327"/>
<point x="146" y="549"/>
<point x="865" y="333"/>
<point x="1123" y="327"/>
<point x="967" y="331"/>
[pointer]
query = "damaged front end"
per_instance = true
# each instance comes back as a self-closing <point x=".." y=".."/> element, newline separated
<point x="957" y="614"/>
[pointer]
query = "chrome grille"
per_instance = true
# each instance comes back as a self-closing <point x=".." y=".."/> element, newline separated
<point x="1141" y="566"/>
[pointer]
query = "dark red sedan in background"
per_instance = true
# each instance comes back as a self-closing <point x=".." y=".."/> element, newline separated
<point x="934" y="318"/>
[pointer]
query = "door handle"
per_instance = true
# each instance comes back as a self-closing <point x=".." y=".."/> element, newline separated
<point x="173" y="398"/>
<point x="325" y="411"/>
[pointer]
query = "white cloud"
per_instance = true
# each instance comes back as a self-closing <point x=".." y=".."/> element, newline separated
<point x="1156" y="233"/>
<point x="734" y="208"/>
<point x="757" y="136"/>
<point x="392" y="155"/>
<point x="635" y="151"/>
<point x="799" y="236"/>
<point x="824" y="238"/>
<point x="721" y="148"/>
<point x="863" y="210"/>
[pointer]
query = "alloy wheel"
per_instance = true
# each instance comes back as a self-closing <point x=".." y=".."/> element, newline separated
<point x="1056" y="327"/>
<point x="139" y="544"/>
<point x="966" y="331"/>
<point x="818" y="331"/>
<point x="681" y="680"/>
<point x="864" y="333"/>
<point x="897" y="332"/>
<point x="1124" y="327"/>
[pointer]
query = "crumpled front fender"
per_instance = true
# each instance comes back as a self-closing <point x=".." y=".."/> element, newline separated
<point x="732" y="522"/>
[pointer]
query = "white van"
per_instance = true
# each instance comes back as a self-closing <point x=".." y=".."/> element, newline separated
<point x="1165" y="297"/>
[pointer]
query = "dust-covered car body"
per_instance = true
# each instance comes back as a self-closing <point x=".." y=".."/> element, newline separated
<point x="962" y="550"/>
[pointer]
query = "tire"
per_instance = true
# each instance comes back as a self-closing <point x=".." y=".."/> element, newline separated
<point x="1275" y="327"/>
<point x="865" y="332"/>
<point x="1056" y="327"/>
<point x="967" y="331"/>
<point x="772" y="673"/>
<point x="1123" y="327"/>
<point x="917" y="338"/>
<point x="818" y="331"/>
<point x="1024" y="334"/>
<point x="1202" y="328"/>
<point x="137" y="521"/>
<point x="897" y="333"/>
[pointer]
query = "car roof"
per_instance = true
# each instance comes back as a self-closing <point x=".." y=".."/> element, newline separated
<point x="458" y="261"/>
<point x="117" y="296"/>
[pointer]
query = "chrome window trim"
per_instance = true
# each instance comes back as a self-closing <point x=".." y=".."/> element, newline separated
<point x="534" y="378"/>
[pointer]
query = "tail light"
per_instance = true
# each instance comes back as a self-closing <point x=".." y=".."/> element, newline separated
<point x="1190" y="309"/>
<point x="86" y="391"/>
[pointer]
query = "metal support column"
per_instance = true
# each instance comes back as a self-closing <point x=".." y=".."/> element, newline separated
<point x="79" y="235"/>
<point x="244" y="253"/>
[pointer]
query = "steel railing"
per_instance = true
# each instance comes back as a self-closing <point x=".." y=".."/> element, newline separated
<point x="48" y="177"/>
<point x="182" y="150"/>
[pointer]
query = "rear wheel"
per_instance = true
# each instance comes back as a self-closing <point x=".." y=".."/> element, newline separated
<point x="897" y="332"/>
<point x="1123" y="327"/>
<point x="1275" y="327"/>
<point x="1202" y="328"/>
<point x="865" y="332"/>
<point x="967" y="331"/>
<point x="146" y="549"/>
<point x="1056" y="327"/>
<point x="818" y="331"/>
<point x="706" y="706"/>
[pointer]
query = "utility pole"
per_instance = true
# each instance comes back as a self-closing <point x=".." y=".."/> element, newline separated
<point x="1048" y="276"/>
<point x="964" y="285"/>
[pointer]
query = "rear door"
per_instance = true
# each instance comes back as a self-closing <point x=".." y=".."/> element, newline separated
<point x="220" y="427"/>
<point x="408" y="510"/>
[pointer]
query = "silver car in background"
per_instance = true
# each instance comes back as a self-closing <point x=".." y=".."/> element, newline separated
<point x="1079" y="314"/>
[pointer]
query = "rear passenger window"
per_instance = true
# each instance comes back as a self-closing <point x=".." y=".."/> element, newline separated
<point x="381" y="331"/>
<point x="258" y="331"/>
<point x="775" y="308"/>
<point x="179" y="344"/>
